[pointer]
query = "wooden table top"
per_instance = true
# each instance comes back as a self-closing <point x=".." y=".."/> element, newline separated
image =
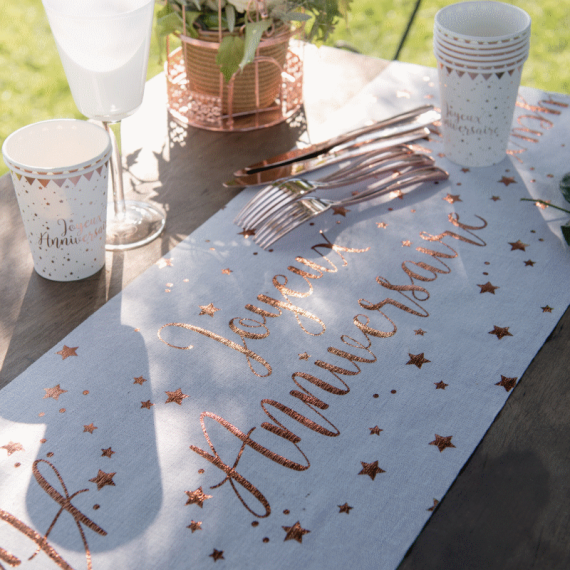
<point x="510" y="505"/>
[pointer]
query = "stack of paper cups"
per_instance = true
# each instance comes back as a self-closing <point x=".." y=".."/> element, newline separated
<point x="480" y="48"/>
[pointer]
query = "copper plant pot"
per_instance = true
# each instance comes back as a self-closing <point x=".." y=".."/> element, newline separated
<point x="205" y="78"/>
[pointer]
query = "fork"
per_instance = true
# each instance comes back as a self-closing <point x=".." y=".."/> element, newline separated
<point x="305" y="209"/>
<point x="363" y="168"/>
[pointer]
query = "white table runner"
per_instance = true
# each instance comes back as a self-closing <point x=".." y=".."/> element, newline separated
<point x="303" y="407"/>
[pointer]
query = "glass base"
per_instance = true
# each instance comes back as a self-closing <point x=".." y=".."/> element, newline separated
<point x="141" y="223"/>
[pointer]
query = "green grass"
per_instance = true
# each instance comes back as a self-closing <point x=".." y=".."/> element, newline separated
<point x="33" y="86"/>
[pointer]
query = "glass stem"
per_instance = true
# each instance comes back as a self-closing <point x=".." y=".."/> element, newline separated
<point x="114" y="130"/>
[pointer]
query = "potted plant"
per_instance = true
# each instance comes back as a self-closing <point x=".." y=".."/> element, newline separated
<point x="226" y="36"/>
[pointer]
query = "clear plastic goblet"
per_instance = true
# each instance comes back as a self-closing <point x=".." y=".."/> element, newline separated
<point x="104" y="47"/>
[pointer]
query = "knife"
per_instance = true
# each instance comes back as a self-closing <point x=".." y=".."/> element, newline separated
<point x="421" y="116"/>
<point x="333" y="156"/>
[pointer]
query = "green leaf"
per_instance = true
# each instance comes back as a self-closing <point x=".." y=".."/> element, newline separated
<point x="231" y="17"/>
<point x="230" y="54"/>
<point x="566" y="232"/>
<point x="253" y="33"/>
<point x="168" y="24"/>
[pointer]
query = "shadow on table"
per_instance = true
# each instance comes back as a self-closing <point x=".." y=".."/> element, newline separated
<point x="50" y="310"/>
<point x="193" y="165"/>
<point x="105" y="482"/>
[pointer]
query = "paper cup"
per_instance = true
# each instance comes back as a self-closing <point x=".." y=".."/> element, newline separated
<point x="478" y="47"/>
<point x="482" y="21"/>
<point x="60" y="173"/>
<point x="472" y="64"/>
<point x="481" y="56"/>
<point x="477" y="113"/>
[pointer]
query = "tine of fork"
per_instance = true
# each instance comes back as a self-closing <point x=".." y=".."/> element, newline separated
<point x="263" y="197"/>
<point x="285" y="193"/>
<point x="256" y="202"/>
<point x="248" y="220"/>
<point x="252" y="202"/>
<point x="285" y="229"/>
<point x="288" y="213"/>
<point x="280" y="201"/>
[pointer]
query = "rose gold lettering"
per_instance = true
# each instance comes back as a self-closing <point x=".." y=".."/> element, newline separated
<point x="521" y="102"/>
<point x="36" y="537"/>
<point x="287" y="434"/>
<point x="297" y="311"/>
<point x="320" y="384"/>
<point x="247" y="352"/>
<point x="389" y="301"/>
<point x="338" y="249"/>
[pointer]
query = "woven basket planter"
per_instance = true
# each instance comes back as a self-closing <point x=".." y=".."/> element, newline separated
<point x="247" y="94"/>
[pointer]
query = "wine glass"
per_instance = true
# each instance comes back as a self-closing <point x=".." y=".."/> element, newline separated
<point x="104" y="47"/>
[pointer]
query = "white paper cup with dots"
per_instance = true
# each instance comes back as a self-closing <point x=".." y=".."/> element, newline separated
<point x="60" y="173"/>
<point x="477" y="113"/>
<point x="479" y="87"/>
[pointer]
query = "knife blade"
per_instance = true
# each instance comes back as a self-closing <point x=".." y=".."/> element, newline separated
<point x="334" y="156"/>
<point x="421" y="116"/>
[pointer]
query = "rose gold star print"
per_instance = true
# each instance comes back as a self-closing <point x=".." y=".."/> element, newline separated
<point x="67" y="351"/>
<point x="518" y="245"/>
<point x="226" y="271"/>
<point x="12" y="447"/>
<point x="340" y="211"/>
<point x="403" y="94"/>
<point x="442" y="442"/>
<point x="375" y="430"/>
<point x="175" y="397"/>
<point x="546" y="309"/>
<point x="208" y="310"/>
<point x="304" y="356"/>
<point x="435" y="503"/>
<point x="507" y="383"/>
<point x="140" y="381"/>
<point x="194" y="526"/>
<point x="344" y="508"/>
<point x="162" y="263"/>
<point x="452" y="198"/>
<point x="197" y="497"/>
<point x="500" y="331"/>
<point x="417" y="359"/>
<point x="542" y="205"/>
<point x="107" y="452"/>
<point x="495" y="198"/>
<point x="146" y="405"/>
<point x="529" y="263"/>
<point x="217" y="555"/>
<point x="295" y="532"/>
<point x="54" y="392"/>
<point x="246" y="233"/>
<point x="370" y="469"/>
<point x="419" y="332"/>
<point x="465" y="170"/>
<point x="406" y="243"/>
<point x="441" y="385"/>
<point x="103" y="479"/>
<point x="381" y="225"/>
<point x="488" y="288"/>
<point x="90" y="428"/>
<point x="506" y="180"/>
